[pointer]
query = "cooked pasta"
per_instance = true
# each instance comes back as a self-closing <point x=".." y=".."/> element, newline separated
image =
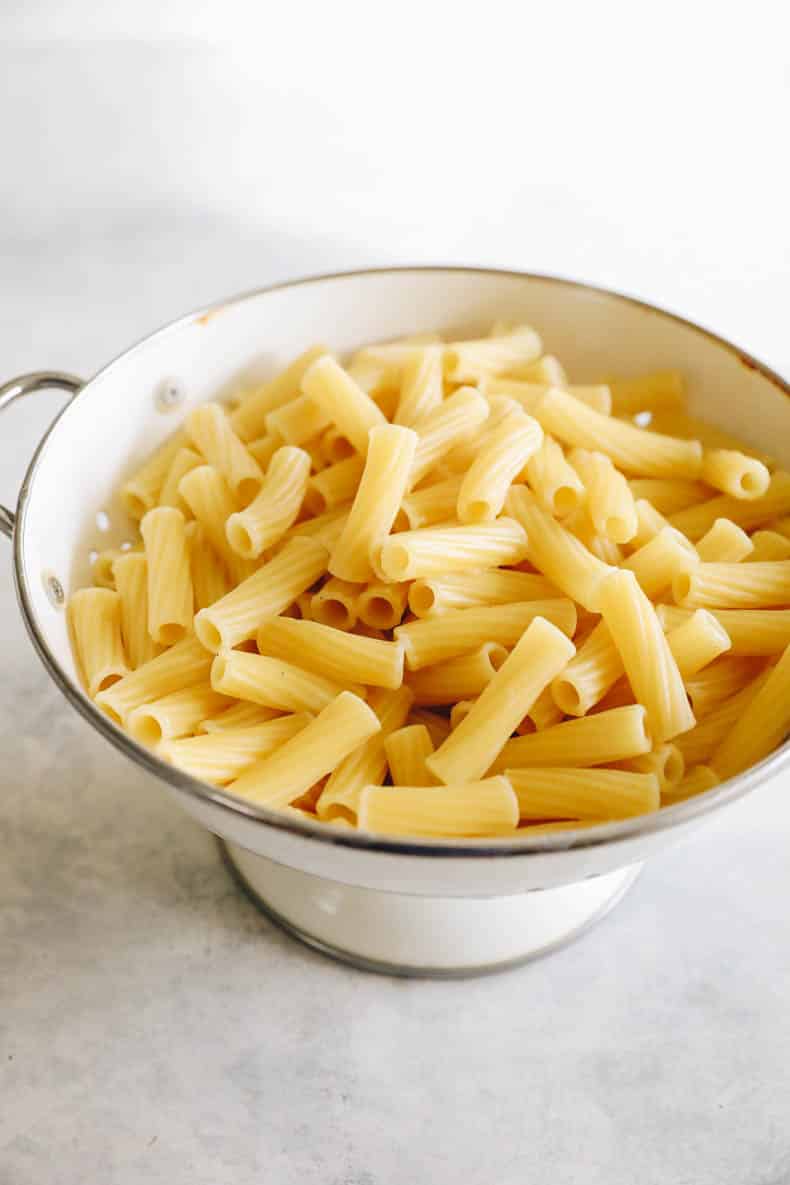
<point x="438" y="564"/>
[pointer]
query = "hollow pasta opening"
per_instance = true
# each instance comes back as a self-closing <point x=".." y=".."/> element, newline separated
<point x="674" y="767"/>
<point x="422" y="599"/>
<point x="380" y="613"/>
<point x="567" y="697"/>
<point x="240" y="539"/>
<point x="208" y="634"/>
<point x="565" y="501"/>
<point x="395" y="560"/>
<point x="332" y="612"/>
<point x="146" y="729"/>
<point x="169" y="633"/>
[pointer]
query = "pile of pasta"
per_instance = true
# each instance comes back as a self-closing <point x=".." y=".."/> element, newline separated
<point x="444" y="591"/>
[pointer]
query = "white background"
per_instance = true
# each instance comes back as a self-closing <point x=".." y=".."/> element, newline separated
<point x="154" y="157"/>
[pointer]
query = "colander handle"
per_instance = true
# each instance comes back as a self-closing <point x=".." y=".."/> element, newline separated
<point x="26" y="384"/>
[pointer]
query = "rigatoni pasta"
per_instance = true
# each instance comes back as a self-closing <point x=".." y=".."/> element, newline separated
<point x="417" y="594"/>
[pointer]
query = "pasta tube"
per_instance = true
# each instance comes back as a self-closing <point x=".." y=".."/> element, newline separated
<point x="170" y="596"/>
<point x="648" y="661"/>
<point x="249" y="419"/>
<point x="505" y="453"/>
<point x="208" y="427"/>
<point x="458" y="631"/>
<point x="174" y="715"/>
<point x="271" y="682"/>
<point x="406" y="750"/>
<point x="468" y="361"/>
<point x="298" y="422"/>
<point x="668" y="495"/>
<point x="697" y="781"/>
<point x="633" y="450"/>
<point x="767" y="545"/>
<point x="763" y="725"/>
<point x="537" y="658"/>
<point x="555" y="483"/>
<point x="700" y="742"/>
<point x="718" y="681"/>
<point x="335" y="604"/>
<point x="345" y="403"/>
<point x="734" y="473"/>
<point x="240" y="715"/>
<point x="223" y="755"/>
<point x="366" y="765"/>
<point x="274" y="510"/>
<point x="665" y="762"/>
<point x="453" y="421"/>
<point x="131" y="581"/>
<point x="594" y="668"/>
<point x="208" y="496"/>
<point x="468" y="590"/>
<point x="733" y="586"/>
<point x="696" y="642"/>
<point x="432" y="551"/>
<point x="185" y="460"/>
<point x="565" y="793"/>
<point x="751" y="631"/>
<point x="458" y="678"/>
<point x="346" y="658"/>
<point x="747" y="513"/>
<point x="430" y="504"/>
<point x="601" y="739"/>
<point x="656" y="563"/>
<point x="487" y="807"/>
<point x="334" y="486"/>
<point x="438" y="726"/>
<point x="182" y="665"/>
<point x="287" y="773"/>
<point x="390" y="455"/>
<point x="261" y="596"/>
<point x="610" y="503"/>
<point x="662" y="390"/>
<point x="421" y="387"/>
<point x="209" y="578"/>
<point x="725" y="542"/>
<point x="381" y="606"/>
<point x="556" y="552"/>
<point x="94" y="619"/>
<point x="141" y="491"/>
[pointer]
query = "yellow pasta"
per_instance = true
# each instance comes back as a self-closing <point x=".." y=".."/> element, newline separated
<point x="459" y="631"/>
<point x="180" y="666"/>
<point x="334" y="485"/>
<point x="261" y="596"/>
<point x="725" y="542"/>
<point x="141" y="491"/>
<point x="335" y="604"/>
<point x="103" y="567"/>
<point x="94" y="618"/>
<point x="592" y="671"/>
<point x="264" y="448"/>
<point x="544" y="713"/>
<point x="249" y="419"/>
<point x="718" y="681"/>
<point x="734" y="473"/>
<point x="458" y="678"/>
<point x="170" y="595"/>
<point x="529" y="393"/>
<point x="698" y="779"/>
<point x="679" y="423"/>
<point x="668" y="495"/>
<point x="700" y="742"/>
<point x="208" y="427"/>
<point x="174" y="715"/>
<point x="747" y="513"/>
<point x="326" y="528"/>
<point x="657" y="562"/>
<point x="455" y="420"/>
<point x="222" y="755"/>
<point x="208" y="496"/>
<point x="751" y="631"/>
<point x="555" y="483"/>
<point x="606" y="550"/>
<point x="271" y="682"/>
<point x="183" y="462"/>
<point x="421" y="387"/>
<point x="430" y="551"/>
<point x="566" y="793"/>
<point x="209" y="577"/>
<point x="240" y="715"/>
<point x="367" y="764"/>
<point x="347" y="658"/>
<point x="345" y="403"/>
<point x="267" y="518"/>
<point x="696" y="642"/>
<point x="438" y="726"/>
<point x="406" y="750"/>
<point x="649" y="523"/>
<point x="648" y="661"/>
<point x="284" y="775"/>
<point x="610" y="503"/>
<point x="599" y="739"/>
<point x="633" y="450"/>
<point x="468" y="361"/>
<point x="390" y="455"/>
<point x="381" y="605"/>
<point x="131" y="581"/>
<point x="768" y="545"/>
<point x="539" y="655"/>
<point x="665" y="762"/>
<point x="468" y="590"/>
<point x="335" y="446"/>
<point x="298" y="422"/>
<point x="487" y="807"/>
<point x="763" y="725"/>
<point x="463" y="454"/>
<point x="664" y="389"/>
<point x="733" y="586"/>
<point x="547" y="369"/>
<point x="556" y="552"/>
<point x="503" y="456"/>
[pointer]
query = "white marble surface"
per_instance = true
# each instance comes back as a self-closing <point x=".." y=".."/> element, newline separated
<point x="153" y="1027"/>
